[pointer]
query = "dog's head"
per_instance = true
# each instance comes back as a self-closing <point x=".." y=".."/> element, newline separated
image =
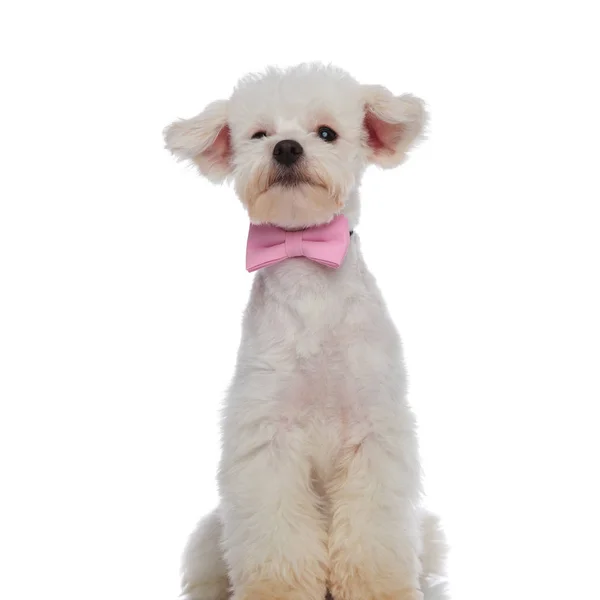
<point x="296" y="141"/>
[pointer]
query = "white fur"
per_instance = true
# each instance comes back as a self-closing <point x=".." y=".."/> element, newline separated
<point x="319" y="477"/>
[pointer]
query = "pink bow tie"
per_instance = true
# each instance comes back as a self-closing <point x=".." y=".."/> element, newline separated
<point x="325" y="244"/>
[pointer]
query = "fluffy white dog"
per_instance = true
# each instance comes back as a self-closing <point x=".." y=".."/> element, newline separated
<point x="319" y="479"/>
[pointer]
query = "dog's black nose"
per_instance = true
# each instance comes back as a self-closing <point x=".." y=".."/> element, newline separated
<point x="287" y="152"/>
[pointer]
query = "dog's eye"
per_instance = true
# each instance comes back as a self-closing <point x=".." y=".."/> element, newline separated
<point x="259" y="134"/>
<point x="327" y="134"/>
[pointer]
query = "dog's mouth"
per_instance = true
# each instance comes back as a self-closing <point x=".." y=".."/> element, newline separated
<point x="288" y="177"/>
<point x="294" y="176"/>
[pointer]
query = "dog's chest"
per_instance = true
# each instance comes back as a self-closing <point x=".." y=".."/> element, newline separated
<point x="322" y="407"/>
<point x="323" y="344"/>
<point x="329" y="346"/>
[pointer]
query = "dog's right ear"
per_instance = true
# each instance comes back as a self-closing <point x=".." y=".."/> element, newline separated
<point x="205" y="140"/>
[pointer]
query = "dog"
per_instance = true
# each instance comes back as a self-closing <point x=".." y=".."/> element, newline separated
<point x="319" y="480"/>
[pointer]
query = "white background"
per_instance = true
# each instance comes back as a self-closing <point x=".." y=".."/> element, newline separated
<point x="122" y="279"/>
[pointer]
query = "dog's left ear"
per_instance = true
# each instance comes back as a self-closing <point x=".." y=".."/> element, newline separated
<point x="205" y="140"/>
<point x="392" y="124"/>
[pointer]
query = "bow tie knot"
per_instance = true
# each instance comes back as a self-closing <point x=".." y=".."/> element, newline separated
<point x="325" y="244"/>
<point x="294" y="245"/>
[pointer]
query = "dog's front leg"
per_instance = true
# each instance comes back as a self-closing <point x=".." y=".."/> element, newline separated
<point x="274" y="536"/>
<point x="374" y="539"/>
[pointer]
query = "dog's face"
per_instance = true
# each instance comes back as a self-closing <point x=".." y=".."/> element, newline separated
<point x="296" y="141"/>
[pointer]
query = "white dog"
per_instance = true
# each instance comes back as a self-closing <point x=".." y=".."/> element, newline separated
<point x="319" y="479"/>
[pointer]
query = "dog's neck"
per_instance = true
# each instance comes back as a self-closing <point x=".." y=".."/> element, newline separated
<point x="297" y="281"/>
<point x="352" y="209"/>
<point x="307" y="302"/>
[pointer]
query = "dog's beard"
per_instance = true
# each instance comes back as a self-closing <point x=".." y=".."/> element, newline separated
<point x="292" y="197"/>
